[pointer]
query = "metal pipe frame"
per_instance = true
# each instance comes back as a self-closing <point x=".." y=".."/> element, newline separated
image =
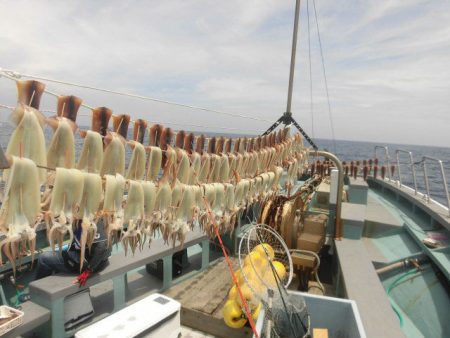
<point x="386" y="153"/>
<point x="444" y="181"/>
<point x="413" y="168"/>
<point x="335" y="159"/>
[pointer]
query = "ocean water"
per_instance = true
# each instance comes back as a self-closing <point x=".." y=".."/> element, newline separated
<point x="345" y="151"/>
<point x="351" y="150"/>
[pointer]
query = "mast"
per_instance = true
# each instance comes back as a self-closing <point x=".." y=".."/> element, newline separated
<point x="293" y="53"/>
<point x="287" y="118"/>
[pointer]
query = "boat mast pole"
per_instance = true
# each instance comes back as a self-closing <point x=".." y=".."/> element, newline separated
<point x="287" y="118"/>
<point x="293" y="53"/>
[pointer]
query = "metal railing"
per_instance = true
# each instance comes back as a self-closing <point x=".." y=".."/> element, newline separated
<point x="386" y="154"/>
<point x="444" y="181"/>
<point x="412" y="164"/>
<point x="413" y="168"/>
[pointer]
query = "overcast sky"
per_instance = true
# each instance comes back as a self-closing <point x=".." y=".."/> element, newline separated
<point x="387" y="62"/>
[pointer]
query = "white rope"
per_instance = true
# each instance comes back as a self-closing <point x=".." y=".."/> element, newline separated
<point x="15" y="75"/>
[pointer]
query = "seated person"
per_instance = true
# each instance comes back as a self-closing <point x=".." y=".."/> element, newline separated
<point x="68" y="262"/>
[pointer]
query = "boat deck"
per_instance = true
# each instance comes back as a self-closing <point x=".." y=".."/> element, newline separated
<point x="202" y="299"/>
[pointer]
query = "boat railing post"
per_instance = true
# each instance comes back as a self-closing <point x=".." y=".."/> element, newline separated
<point x="411" y="163"/>
<point x="386" y="158"/>
<point x="398" y="167"/>
<point x="444" y="180"/>
<point x="386" y="151"/>
<point x="413" y="169"/>
<point x="425" y="177"/>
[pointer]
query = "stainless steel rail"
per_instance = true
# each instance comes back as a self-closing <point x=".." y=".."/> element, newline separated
<point x="340" y="188"/>
<point x="413" y="168"/>
<point x="444" y="181"/>
<point x="386" y="154"/>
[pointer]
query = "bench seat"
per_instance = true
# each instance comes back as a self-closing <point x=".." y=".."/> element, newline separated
<point x="51" y="291"/>
<point x="362" y="284"/>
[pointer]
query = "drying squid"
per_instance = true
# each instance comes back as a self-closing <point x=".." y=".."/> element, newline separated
<point x="154" y="163"/>
<point x="61" y="151"/>
<point x="120" y="124"/>
<point x="139" y="130"/>
<point x="183" y="215"/>
<point x="155" y="132"/>
<point x="29" y="93"/>
<point x="113" y="206"/>
<point x="100" y="120"/>
<point x="231" y="209"/>
<point x="209" y="194"/>
<point x="90" y="201"/>
<point x="214" y="170"/>
<point x="204" y="168"/>
<point x="224" y="168"/>
<point x="136" y="168"/>
<point x="133" y="216"/>
<point x="149" y="189"/>
<point x="20" y="208"/>
<point x="66" y="197"/>
<point x="28" y="140"/>
<point x="170" y="226"/>
<point x="68" y="107"/>
<point x="91" y="156"/>
<point x="114" y="155"/>
<point x="183" y="169"/>
<point x="196" y="160"/>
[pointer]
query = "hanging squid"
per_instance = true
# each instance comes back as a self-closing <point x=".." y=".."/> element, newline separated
<point x="136" y="167"/>
<point x="28" y="140"/>
<point x="89" y="204"/>
<point x="149" y="189"/>
<point x="61" y="151"/>
<point x="91" y="156"/>
<point x="66" y="197"/>
<point x="133" y="216"/>
<point x="113" y="206"/>
<point x="20" y="209"/>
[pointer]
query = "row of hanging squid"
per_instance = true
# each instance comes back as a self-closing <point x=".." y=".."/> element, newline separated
<point x="353" y="168"/>
<point x="163" y="188"/>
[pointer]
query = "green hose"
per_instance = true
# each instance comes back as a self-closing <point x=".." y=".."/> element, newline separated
<point x="393" y="285"/>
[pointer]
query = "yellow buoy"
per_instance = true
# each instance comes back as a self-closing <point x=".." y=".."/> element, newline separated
<point x="233" y="315"/>
<point x="269" y="277"/>
<point x="265" y="249"/>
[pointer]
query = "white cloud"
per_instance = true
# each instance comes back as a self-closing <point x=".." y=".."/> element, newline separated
<point x="385" y="61"/>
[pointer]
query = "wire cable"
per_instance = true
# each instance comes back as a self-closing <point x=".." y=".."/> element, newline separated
<point x="325" y="78"/>
<point x="310" y="73"/>
<point x="16" y="75"/>
<point x="256" y="132"/>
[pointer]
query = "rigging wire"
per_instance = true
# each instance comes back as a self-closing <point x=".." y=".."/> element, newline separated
<point x="257" y="132"/>
<point x="310" y="73"/>
<point x="16" y="75"/>
<point x="325" y="78"/>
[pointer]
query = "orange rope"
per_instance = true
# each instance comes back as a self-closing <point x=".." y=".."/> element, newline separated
<point x="233" y="275"/>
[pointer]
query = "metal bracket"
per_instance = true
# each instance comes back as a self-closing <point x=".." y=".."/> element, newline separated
<point x="287" y="119"/>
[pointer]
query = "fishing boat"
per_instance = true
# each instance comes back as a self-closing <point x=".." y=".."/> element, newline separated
<point x="220" y="235"/>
